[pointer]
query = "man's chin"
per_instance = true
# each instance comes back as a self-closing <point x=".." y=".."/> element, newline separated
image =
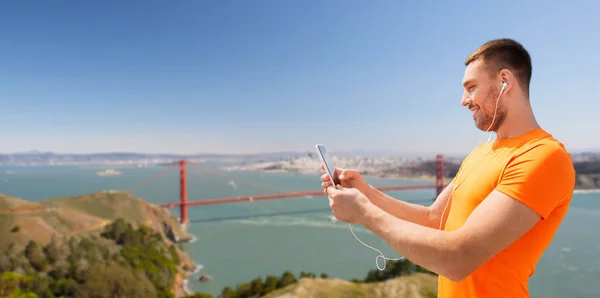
<point x="481" y="126"/>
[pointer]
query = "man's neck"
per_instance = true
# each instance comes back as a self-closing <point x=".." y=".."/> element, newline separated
<point x="519" y="120"/>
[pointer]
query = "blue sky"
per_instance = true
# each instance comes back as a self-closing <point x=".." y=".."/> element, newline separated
<point x="256" y="76"/>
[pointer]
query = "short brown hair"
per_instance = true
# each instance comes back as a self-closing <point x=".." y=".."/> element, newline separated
<point x="505" y="53"/>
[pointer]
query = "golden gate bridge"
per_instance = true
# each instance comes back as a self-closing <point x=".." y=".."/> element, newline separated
<point x="183" y="204"/>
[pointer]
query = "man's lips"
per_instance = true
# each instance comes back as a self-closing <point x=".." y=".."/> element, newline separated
<point x="474" y="110"/>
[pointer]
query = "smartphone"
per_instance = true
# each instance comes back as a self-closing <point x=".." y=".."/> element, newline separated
<point x="327" y="163"/>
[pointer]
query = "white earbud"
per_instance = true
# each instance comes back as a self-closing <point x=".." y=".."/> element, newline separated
<point x="504" y="84"/>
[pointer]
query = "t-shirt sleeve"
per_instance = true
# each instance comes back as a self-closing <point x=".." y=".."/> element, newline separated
<point x="541" y="178"/>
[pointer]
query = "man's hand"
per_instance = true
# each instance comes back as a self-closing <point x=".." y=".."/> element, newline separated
<point x="415" y="213"/>
<point x="349" y="204"/>
<point x="349" y="179"/>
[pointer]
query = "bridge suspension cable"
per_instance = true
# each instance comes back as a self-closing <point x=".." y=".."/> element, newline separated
<point x="156" y="175"/>
<point x="231" y="178"/>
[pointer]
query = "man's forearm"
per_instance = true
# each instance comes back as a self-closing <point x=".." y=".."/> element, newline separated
<point x="414" y="213"/>
<point x="435" y="250"/>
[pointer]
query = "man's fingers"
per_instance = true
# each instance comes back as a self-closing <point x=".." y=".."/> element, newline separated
<point x="331" y="191"/>
<point x="334" y="191"/>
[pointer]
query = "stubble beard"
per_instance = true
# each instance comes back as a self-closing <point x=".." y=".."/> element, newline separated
<point x="486" y="113"/>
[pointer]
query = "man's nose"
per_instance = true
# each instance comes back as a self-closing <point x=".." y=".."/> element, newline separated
<point x="466" y="99"/>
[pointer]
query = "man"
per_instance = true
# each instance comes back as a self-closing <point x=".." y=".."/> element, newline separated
<point x="486" y="231"/>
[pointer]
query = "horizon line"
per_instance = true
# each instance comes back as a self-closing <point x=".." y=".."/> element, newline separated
<point x="373" y="151"/>
<point x="384" y="151"/>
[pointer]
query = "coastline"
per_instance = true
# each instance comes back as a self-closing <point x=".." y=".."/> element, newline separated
<point x="180" y="286"/>
<point x="182" y="282"/>
<point x="188" y="267"/>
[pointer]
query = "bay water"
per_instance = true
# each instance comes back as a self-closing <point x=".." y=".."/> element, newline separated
<point x="238" y="242"/>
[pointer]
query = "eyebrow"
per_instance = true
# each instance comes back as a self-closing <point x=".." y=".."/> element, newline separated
<point x="468" y="82"/>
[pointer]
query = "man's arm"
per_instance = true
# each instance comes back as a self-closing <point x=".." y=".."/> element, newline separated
<point x="429" y="216"/>
<point x="489" y="229"/>
<point x="531" y="186"/>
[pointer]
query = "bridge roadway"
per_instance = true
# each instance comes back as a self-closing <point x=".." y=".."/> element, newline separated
<point x="281" y="196"/>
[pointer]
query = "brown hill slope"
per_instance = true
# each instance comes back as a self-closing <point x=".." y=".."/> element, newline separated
<point x="23" y="221"/>
<point x="7" y="202"/>
<point x="419" y="285"/>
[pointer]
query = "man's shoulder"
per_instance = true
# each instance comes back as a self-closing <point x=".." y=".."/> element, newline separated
<point x="544" y="150"/>
<point x="541" y="174"/>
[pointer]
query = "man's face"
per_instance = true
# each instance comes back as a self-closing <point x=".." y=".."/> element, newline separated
<point x="480" y="94"/>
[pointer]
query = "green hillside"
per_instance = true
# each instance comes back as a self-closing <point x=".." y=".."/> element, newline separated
<point x="120" y="261"/>
<point x="109" y="243"/>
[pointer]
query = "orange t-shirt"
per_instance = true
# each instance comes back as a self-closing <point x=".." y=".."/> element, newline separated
<point x="533" y="168"/>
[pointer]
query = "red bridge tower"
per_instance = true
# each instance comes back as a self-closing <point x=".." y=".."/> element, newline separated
<point x="183" y="193"/>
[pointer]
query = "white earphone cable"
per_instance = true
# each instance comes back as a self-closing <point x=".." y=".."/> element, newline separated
<point x="381" y="255"/>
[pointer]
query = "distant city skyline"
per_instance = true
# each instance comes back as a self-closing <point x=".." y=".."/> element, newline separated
<point x="256" y="77"/>
<point x="342" y="152"/>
